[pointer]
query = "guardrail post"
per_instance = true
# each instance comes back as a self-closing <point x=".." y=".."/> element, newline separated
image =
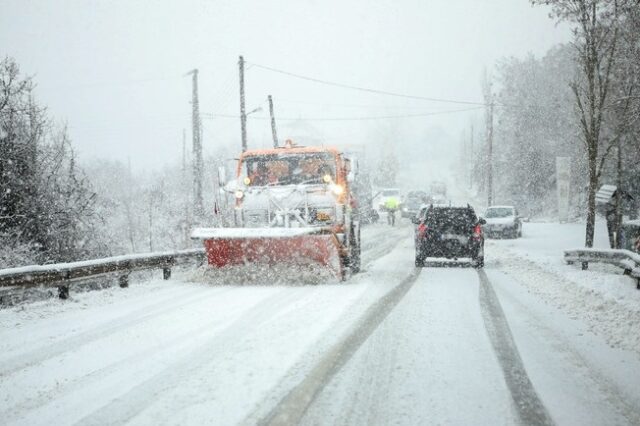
<point x="123" y="280"/>
<point x="166" y="268"/>
<point x="63" y="292"/>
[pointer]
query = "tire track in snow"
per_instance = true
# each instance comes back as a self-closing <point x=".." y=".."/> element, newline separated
<point x="590" y="373"/>
<point x="125" y="407"/>
<point x="530" y="409"/>
<point x="374" y="250"/>
<point x="42" y="353"/>
<point x="380" y="246"/>
<point x="291" y="408"/>
<point x="65" y="388"/>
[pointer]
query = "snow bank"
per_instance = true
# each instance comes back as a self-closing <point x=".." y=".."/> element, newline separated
<point x="601" y="296"/>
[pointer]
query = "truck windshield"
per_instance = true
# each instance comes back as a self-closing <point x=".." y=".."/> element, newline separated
<point x="288" y="169"/>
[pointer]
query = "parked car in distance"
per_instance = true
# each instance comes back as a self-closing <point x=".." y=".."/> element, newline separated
<point x="451" y="232"/>
<point x="410" y="205"/>
<point x="503" y="221"/>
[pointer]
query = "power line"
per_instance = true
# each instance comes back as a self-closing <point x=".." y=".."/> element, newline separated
<point x="111" y="83"/>
<point x="378" y="117"/>
<point x="364" y="89"/>
<point x="361" y="106"/>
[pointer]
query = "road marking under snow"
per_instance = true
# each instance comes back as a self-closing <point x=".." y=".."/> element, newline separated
<point x="68" y="344"/>
<point x="530" y="409"/>
<point x="294" y="405"/>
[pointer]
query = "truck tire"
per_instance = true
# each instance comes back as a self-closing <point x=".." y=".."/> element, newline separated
<point x="355" y="251"/>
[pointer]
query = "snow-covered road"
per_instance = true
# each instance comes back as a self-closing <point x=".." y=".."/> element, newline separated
<point x="394" y="345"/>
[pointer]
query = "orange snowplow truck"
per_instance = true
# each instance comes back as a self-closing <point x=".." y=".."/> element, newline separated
<point x="294" y="206"/>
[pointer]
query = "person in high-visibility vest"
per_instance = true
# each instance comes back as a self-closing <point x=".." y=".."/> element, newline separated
<point x="391" y="204"/>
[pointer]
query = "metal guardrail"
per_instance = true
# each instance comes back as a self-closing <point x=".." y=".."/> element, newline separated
<point x="63" y="274"/>
<point x="627" y="260"/>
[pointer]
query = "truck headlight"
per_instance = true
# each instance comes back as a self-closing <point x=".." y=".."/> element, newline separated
<point x="239" y="194"/>
<point x="337" y="189"/>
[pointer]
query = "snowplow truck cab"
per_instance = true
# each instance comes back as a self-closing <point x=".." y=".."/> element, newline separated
<point x="292" y="205"/>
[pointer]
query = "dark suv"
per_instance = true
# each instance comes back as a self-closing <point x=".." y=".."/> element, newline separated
<point x="450" y="232"/>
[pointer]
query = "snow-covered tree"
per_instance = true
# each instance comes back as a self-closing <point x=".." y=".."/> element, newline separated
<point x="46" y="204"/>
<point x="596" y="40"/>
<point x="534" y="123"/>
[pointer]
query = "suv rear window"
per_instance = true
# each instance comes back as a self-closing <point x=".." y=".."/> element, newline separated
<point x="459" y="219"/>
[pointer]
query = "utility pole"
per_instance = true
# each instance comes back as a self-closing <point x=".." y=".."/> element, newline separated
<point x="472" y="157"/>
<point x="618" y="228"/>
<point x="197" y="147"/>
<point x="184" y="150"/>
<point x="243" y="113"/>
<point x="273" y="123"/>
<point x="490" y="156"/>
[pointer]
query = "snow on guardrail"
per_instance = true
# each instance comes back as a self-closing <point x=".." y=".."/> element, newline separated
<point x="55" y="274"/>
<point x="627" y="260"/>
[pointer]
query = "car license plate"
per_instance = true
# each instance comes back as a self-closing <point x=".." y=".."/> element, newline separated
<point x="452" y="237"/>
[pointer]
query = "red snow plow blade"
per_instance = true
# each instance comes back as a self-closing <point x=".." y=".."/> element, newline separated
<point x="303" y="247"/>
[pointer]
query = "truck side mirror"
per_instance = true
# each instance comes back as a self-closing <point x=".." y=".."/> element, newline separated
<point x="231" y="186"/>
<point x="415" y="220"/>
<point x="350" y="176"/>
<point x="481" y="221"/>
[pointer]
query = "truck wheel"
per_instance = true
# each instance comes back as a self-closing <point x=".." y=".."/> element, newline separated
<point x="344" y="268"/>
<point x="354" y="262"/>
<point x="355" y="252"/>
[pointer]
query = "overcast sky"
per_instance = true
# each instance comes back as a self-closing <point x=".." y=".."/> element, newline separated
<point x="114" y="70"/>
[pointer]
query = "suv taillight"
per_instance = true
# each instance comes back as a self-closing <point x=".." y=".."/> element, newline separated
<point x="477" y="232"/>
<point x="422" y="230"/>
